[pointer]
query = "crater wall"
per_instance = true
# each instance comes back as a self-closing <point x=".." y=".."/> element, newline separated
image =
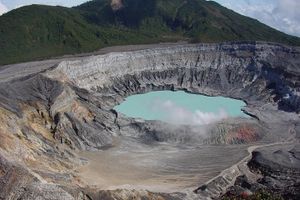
<point x="249" y="71"/>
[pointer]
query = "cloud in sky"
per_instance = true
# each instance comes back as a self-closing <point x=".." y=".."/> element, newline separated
<point x="12" y="4"/>
<point x="287" y="15"/>
<point x="176" y="114"/>
<point x="3" y="8"/>
<point x="280" y="14"/>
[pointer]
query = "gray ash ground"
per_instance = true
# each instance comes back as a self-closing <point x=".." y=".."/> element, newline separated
<point x="61" y="138"/>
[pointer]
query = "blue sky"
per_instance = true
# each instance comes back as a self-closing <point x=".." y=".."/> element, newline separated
<point x="280" y="14"/>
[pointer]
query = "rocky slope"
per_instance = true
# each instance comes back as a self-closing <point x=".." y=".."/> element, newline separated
<point x="54" y="111"/>
<point x="277" y="174"/>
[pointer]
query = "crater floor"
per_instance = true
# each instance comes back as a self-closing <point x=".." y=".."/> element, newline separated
<point x="161" y="167"/>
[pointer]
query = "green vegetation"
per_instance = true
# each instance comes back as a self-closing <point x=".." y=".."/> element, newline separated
<point x="38" y="32"/>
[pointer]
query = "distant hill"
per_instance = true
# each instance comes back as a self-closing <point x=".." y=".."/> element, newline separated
<point x="39" y="32"/>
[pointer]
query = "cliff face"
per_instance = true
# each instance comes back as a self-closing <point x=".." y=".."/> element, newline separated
<point x="236" y="70"/>
<point x="49" y="114"/>
<point x="116" y="5"/>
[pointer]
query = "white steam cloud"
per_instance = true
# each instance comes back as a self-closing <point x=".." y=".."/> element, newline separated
<point x="175" y="114"/>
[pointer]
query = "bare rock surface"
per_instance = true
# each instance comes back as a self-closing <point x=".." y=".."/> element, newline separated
<point x="58" y="123"/>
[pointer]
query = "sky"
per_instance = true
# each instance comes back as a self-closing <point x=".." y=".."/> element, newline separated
<point x="280" y="14"/>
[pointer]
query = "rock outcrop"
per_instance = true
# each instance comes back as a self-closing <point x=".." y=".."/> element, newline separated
<point x="277" y="170"/>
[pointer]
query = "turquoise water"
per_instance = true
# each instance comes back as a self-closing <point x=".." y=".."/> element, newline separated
<point x="180" y="107"/>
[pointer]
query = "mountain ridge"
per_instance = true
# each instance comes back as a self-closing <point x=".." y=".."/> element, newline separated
<point x="39" y="32"/>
